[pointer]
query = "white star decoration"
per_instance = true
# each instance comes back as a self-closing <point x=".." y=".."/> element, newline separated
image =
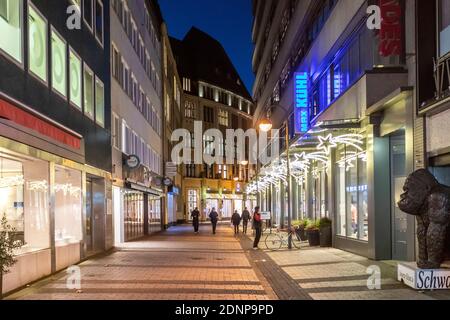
<point x="326" y="143"/>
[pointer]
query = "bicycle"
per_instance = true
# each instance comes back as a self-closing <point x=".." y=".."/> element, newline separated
<point x="274" y="241"/>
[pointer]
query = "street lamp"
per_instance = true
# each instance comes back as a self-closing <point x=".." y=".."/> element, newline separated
<point x="265" y="125"/>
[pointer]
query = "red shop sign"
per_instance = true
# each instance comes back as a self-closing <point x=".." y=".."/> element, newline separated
<point x="391" y="33"/>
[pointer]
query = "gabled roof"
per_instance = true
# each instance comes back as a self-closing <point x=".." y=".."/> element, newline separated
<point x="200" y="57"/>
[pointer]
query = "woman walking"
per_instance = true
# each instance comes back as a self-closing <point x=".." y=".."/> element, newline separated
<point x="214" y="216"/>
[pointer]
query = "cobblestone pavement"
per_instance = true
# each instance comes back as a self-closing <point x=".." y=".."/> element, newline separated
<point x="179" y="265"/>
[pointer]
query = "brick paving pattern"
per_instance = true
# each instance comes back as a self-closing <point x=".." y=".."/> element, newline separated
<point x="179" y="265"/>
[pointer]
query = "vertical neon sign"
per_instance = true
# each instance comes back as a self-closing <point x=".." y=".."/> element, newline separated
<point x="301" y="113"/>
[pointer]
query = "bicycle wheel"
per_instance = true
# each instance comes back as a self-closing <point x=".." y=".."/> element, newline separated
<point x="273" y="241"/>
<point x="296" y="242"/>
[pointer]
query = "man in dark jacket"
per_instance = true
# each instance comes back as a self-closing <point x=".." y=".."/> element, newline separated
<point x="245" y="219"/>
<point x="214" y="217"/>
<point x="257" y="223"/>
<point x="236" y="220"/>
<point x="195" y="215"/>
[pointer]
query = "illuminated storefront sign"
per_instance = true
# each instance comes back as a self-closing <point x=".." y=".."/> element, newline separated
<point x="301" y="114"/>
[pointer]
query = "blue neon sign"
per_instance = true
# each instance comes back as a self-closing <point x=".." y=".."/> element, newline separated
<point x="301" y="113"/>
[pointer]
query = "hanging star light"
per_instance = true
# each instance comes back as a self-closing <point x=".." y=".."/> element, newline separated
<point x="326" y="143"/>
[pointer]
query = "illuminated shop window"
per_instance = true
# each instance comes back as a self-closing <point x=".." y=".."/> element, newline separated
<point x="24" y="199"/>
<point x="99" y="103"/>
<point x="11" y="28"/>
<point x="75" y="78"/>
<point x="37" y="40"/>
<point x="88" y="92"/>
<point x="59" y="63"/>
<point x="68" y="206"/>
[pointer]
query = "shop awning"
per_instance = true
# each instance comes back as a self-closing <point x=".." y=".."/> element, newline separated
<point x="39" y="123"/>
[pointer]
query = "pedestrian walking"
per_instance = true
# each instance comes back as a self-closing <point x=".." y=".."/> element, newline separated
<point x="257" y="224"/>
<point x="195" y="215"/>
<point x="236" y="220"/>
<point x="245" y="219"/>
<point x="214" y="217"/>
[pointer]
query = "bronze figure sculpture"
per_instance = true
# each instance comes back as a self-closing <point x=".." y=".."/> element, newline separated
<point x="428" y="200"/>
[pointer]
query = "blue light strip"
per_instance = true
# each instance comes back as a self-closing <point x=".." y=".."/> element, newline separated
<point x="301" y="113"/>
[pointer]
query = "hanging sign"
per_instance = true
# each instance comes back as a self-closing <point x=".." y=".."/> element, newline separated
<point x="391" y="31"/>
<point x="301" y="100"/>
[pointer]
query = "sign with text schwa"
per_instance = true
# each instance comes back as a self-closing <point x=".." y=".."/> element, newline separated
<point x="301" y="112"/>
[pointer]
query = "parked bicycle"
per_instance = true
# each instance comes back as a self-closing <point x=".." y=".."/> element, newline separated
<point x="276" y="240"/>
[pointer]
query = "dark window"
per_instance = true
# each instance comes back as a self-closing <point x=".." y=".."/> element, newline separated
<point x="87" y="11"/>
<point x="208" y="114"/>
<point x="99" y="20"/>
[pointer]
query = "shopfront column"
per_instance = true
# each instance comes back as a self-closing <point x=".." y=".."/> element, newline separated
<point x="379" y="210"/>
<point x="309" y="185"/>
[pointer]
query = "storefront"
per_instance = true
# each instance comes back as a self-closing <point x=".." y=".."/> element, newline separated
<point x="137" y="204"/>
<point x="43" y="194"/>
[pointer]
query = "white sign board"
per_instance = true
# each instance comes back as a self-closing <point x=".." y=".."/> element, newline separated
<point x="171" y="169"/>
<point x="266" y="215"/>
<point x="420" y="279"/>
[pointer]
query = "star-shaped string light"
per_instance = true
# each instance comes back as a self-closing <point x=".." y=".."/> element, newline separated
<point x="326" y="144"/>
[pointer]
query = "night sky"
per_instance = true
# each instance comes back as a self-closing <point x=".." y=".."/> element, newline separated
<point x="228" y="21"/>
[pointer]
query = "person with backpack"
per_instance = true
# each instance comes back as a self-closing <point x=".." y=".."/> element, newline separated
<point x="257" y="224"/>
<point x="236" y="220"/>
<point x="245" y="219"/>
<point x="195" y="215"/>
<point x="214" y="217"/>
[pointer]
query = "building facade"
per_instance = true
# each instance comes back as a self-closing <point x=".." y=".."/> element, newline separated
<point x="137" y="113"/>
<point x="173" y="102"/>
<point x="433" y="96"/>
<point x="214" y="97"/>
<point x="55" y="155"/>
<point x="345" y="90"/>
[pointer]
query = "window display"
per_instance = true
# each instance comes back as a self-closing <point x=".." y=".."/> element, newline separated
<point x="75" y="79"/>
<point x="133" y="207"/>
<point x="351" y="193"/>
<point x="37" y="38"/>
<point x="68" y="206"/>
<point x="59" y="64"/>
<point x="24" y="199"/>
<point x="11" y="28"/>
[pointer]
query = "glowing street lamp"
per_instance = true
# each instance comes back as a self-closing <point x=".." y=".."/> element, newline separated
<point x="265" y="125"/>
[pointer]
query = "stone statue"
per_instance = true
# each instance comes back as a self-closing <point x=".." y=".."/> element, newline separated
<point x="428" y="200"/>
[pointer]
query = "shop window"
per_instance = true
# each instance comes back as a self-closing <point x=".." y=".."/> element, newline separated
<point x="11" y="28"/>
<point x="37" y="43"/>
<point x="99" y="103"/>
<point x="75" y="78"/>
<point x="133" y="215"/>
<point x="88" y="92"/>
<point x="444" y="27"/>
<point x="59" y="63"/>
<point x="68" y="206"/>
<point x="24" y="199"/>
<point x="352" y="193"/>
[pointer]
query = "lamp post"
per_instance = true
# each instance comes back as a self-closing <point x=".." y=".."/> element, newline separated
<point x="288" y="171"/>
<point x="265" y="125"/>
